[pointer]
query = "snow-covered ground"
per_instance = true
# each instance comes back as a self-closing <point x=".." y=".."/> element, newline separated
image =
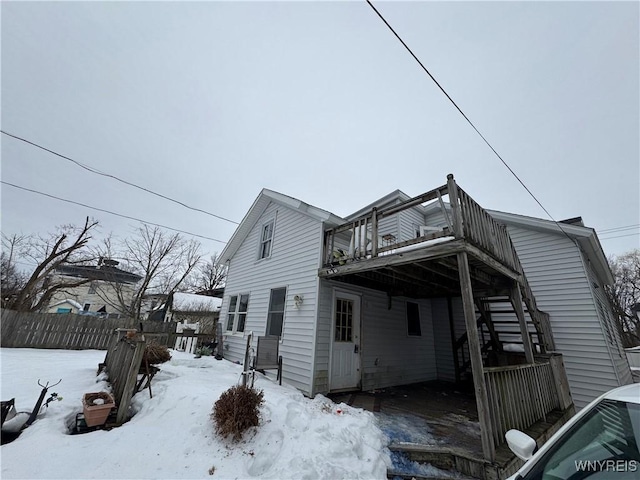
<point x="172" y="435"/>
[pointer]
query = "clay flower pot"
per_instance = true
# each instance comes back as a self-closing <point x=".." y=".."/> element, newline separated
<point x="96" y="408"/>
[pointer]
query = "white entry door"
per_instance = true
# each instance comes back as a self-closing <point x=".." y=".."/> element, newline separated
<point x="345" y="342"/>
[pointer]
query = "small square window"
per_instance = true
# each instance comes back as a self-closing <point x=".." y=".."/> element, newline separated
<point x="413" y="320"/>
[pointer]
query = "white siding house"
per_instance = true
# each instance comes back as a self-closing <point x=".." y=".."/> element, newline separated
<point x="274" y="259"/>
<point x="567" y="272"/>
<point x="291" y="263"/>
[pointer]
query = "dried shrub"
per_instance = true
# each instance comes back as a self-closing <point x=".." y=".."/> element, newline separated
<point x="154" y="353"/>
<point x="236" y="410"/>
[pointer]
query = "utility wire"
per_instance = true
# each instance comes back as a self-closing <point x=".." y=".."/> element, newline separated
<point x="109" y="212"/>
<point x="620" y="236"/>
<point x="463" y="114"/>
<point x="97" y="172"/>
<point x="616" y="229"/>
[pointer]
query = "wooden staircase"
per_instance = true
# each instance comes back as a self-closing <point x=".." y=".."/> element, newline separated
<point x="498" y="327"/>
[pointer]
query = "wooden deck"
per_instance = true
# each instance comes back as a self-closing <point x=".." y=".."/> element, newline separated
<point x="450" y="416"/>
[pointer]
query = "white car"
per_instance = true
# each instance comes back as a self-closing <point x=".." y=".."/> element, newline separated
<point x="601" y="442"/>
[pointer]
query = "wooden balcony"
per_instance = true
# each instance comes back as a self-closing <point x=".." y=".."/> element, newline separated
<point x="356" y="248"/>
<point x="464" y="253"/>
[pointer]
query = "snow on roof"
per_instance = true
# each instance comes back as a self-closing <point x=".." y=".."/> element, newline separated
<point x="70" y="302"/>
<point x="191" y="302"/>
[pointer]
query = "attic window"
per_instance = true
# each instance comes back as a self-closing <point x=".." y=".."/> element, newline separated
<point x="266" y="240"/>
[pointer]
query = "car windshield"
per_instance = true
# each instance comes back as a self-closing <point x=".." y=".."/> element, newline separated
<point x="603" y="445"/>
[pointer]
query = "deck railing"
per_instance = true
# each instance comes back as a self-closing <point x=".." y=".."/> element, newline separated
<point x="359" y="239"/>
<point x="480" y="229"/>
<point x="519" y="396"/>
<point x="466" y="219"/>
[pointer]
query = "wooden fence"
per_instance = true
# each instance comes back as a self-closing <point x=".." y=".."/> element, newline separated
<point x="71" y="331"/>
<point x="123" y="361"/>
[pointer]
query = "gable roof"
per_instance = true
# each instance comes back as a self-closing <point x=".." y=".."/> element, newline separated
<point x="107" y="273"/>
<point x="586" y="237"/>
<point x="389" y="198"/>
<point x="264" y="199"/>
<point x="183" y="302"/>
<point x="68" y="301"/>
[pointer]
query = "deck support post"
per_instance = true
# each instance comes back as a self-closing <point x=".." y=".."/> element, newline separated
<point x="452" y="189"/>
<point x="480" y="388"/>
<point x="516" y="301"/>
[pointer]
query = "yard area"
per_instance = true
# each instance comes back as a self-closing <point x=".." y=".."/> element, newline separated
<point x="171" y="435"/>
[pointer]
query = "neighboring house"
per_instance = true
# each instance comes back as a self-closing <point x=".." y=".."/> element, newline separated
<point x="99" y="296"/>
<point x="64" y="306"/>
<point x="154" y="307"/>
<point x="191" y="309"/>
<point x="392" y="294"/>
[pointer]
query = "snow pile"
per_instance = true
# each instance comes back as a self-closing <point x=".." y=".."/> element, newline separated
<point x="172" y="435"/>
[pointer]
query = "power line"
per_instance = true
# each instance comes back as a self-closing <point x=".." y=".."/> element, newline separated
<point x="114" y="177"/>
<point x="620" y="236"/>
<point x="615" y="229"/>
<point x="109" y="212"/>
<point x="464" y="115"/>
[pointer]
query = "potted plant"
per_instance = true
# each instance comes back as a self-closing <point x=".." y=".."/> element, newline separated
<point x="96" y="408"/>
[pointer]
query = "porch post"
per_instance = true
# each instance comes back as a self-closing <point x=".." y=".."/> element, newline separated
<point x="516" y="301"/>
<point x="452" y="189"/>
<point x="480" y="388"/>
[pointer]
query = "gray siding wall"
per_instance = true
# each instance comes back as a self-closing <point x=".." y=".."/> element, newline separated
<point x="609" y="327"/>
<point x="388" y="225"/>
<point x="408" y="221"/>
<point x="442" y="339"/>
<point x="436" y="219"/>
<point x="554" y="268"/>
<point x="389" y="356"/>
<point x="294" y="262"/>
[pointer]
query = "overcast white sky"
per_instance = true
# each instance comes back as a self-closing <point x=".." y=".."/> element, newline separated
<point x="210" y="102"/>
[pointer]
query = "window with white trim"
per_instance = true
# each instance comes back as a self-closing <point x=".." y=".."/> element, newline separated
<point x="275" y="318"/>
<point x="266" y="239"/>
<point x="237" y="313"/>
<point x="413" y="320"/>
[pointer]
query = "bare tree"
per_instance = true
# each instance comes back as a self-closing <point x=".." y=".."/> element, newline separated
<point x="209" y="275"/>
<point x="624" y="294"/>
<point x="33" y="292"/>
<point x="163" y="261"/>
